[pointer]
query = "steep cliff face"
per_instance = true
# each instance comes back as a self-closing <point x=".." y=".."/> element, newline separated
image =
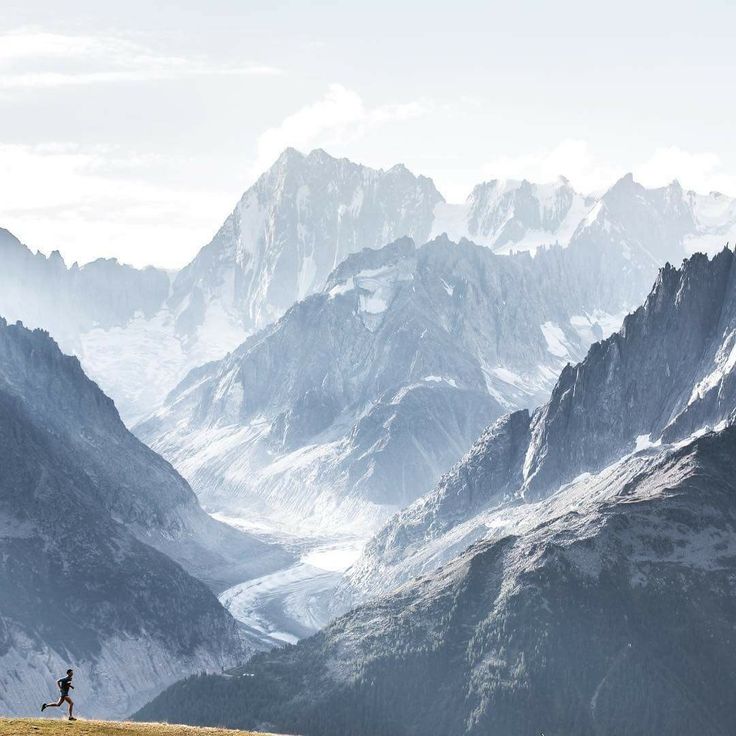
<point x="134" y="484"/>
<point x="607" y="608"/>
<point x="443" y="523"/>
<point x="668" y="373"/>
<point x="668" y="369"/>
<point x="84" y="511"/>
<point x="356" y="401"/>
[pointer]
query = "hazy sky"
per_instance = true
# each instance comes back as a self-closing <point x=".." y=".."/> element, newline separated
<point x="132" y="128"/>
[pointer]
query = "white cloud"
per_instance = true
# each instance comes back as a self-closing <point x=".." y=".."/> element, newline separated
<point x="571" y="158"/>
<point x="338" y="117"/>
<point x="20" y="45"/>
<point x="88" y="203"/>
<point x="700" y="171"/>
<point x="91" y="201"/>
<point x="35" y="59"/>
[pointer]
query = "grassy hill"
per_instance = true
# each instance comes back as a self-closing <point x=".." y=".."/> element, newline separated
<point x="59" y="727"/>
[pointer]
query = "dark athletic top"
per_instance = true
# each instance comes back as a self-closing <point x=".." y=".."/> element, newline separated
<point x="64" y="684"/>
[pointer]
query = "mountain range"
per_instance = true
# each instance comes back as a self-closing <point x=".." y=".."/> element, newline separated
<point x="356" y="401"/>
<point x="352" y="404"/>
<point x="289" y="230"/>
<point x="589" y="585"/>
<point x="138" y="333"/>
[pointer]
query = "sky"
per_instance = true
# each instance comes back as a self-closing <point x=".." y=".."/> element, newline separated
<point x="131" y="129"/>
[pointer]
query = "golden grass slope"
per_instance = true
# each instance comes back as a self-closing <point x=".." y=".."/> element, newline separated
<point x="63" y="727"/>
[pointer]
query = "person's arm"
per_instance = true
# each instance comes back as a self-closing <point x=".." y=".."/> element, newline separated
<point x="58" y="683"/>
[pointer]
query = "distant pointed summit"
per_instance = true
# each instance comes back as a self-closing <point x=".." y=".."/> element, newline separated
<point x="298" y="221"/>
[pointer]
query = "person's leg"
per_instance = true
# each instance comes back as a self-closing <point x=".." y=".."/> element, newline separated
<point x="55" y="705"/>
<point x="71" y="706"/>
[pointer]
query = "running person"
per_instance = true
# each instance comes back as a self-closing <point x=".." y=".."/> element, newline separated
<point x="64" y="683"/>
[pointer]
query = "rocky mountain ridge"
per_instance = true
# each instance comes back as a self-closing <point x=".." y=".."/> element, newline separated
<point x="668" y="373"/>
